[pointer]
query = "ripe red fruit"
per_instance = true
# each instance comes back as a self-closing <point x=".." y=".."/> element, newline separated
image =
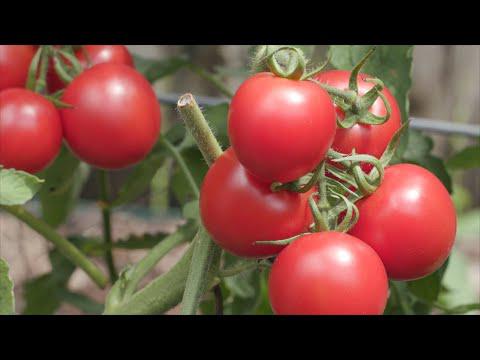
<point x="280" y="128"/>
<point x="30" y="130"/>
<point x="14" y="64"/>
<point x="409" y="220"/>
<point x="115" y="119"/>
<point x="238" y="210"/>
<point x="328" y="273"/>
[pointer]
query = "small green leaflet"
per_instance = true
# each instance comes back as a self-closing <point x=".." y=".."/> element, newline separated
<point x="17" y="187"/>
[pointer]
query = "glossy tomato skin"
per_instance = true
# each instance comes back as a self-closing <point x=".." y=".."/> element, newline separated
<point x="115" y="119"/>
<point x="14" y="64"/>
<point x="280" y="129"/>
<point x="328" y="273"/>
<point x="30" y="130"/>
<point x="98" y="54"/>
<point x="365" y="139"/>
<point x="238" y="210"/>
<point x="409" y="220"/>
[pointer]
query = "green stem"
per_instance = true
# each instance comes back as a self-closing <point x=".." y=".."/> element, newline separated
<point x="63" y="245"/>
<point x="107" y="227"/>
<point x="161" y="294"/>
<point x="204" y="253"/>
<point x="144" y="266"/>
<point x="41" y="82"/>
<point x="183" y="166"/>
<point x="198" y="127"/>
<point x="217" y="292"/>
<point x="211" y="79"/>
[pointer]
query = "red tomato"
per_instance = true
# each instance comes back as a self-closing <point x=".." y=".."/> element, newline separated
<point x="238" y="210"/>
<point x="280" y="129"/>
<point x="328" y="273"/>
<point x="117" y="54"/>
<point x="116" y="116"/>
<point x="365" y="139"/>
<point x="409" y="220"/>
<point x="30" y="130"/>
<point x="14" y="64"/>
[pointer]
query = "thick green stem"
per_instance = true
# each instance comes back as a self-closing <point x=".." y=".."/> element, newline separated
<point x="211" y="79"/>
<point x="62" y="244"/>
<point x="183" y="166"/>
<point x="197" y="125"/>
<point x="144" y="266"/>
<point x="204" y="253"/>
<point x="161" y="294"/>
<point x="107" y="226"/>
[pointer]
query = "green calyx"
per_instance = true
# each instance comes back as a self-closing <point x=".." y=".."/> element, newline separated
<point x="355" y="107"/>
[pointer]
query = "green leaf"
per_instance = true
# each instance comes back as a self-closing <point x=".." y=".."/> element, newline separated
<point x="141" y="177"/>
<point x="198" y="167"/>
<point x="464" y="309"/>
<point x="82" y="302"/>
<point x="244" y="289"/>
<point x="64" y="180"/>
<point x="418" y="152"/>
<point x="427" y="289"/>
<point x="7" y="300"/>
<point x="468" y="158"/>
<point x="156" y="69"/>
<point x="17" y="187"/>
<point x="43" y="295"/>
<point x="390" y="63"/>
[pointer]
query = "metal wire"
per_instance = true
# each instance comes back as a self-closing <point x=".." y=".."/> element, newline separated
<point x="424" y="124"/>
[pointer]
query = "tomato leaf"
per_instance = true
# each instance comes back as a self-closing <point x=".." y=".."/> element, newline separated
<point x="418" y="152"/>
<point x="80" y="301"/>
<point x="156" y="69"/>
<point x="43" y="293"/>
<point x="7" y="300"/>
<point x="64" y="181"/>
<point x="390" y="63"/>
<point x="17" y="187"/>
<point x="141" y="177"/>
<point x="468" y="158"/>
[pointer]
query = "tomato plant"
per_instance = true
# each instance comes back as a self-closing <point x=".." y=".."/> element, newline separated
<point x="30" y="130"/>
<point x="14" y="63"/>
<point x="115" y="117"/>
<point x="321" y="273"/>
<point x="410" y="221"/>
<point x="239" y="210"/>
<point x="304" y="191"/>
<point x="280" y="128"/>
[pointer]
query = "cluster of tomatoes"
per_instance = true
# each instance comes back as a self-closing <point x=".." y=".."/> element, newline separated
<point x="280" y="129"/>
<point x="110" y="119"/>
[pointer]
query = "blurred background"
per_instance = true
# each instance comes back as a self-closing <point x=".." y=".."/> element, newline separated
<point x="445" y="87"/>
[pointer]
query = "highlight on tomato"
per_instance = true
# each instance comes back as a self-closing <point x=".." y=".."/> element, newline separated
<point x="328" y="273"/>
<point x="238" y="210"/>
